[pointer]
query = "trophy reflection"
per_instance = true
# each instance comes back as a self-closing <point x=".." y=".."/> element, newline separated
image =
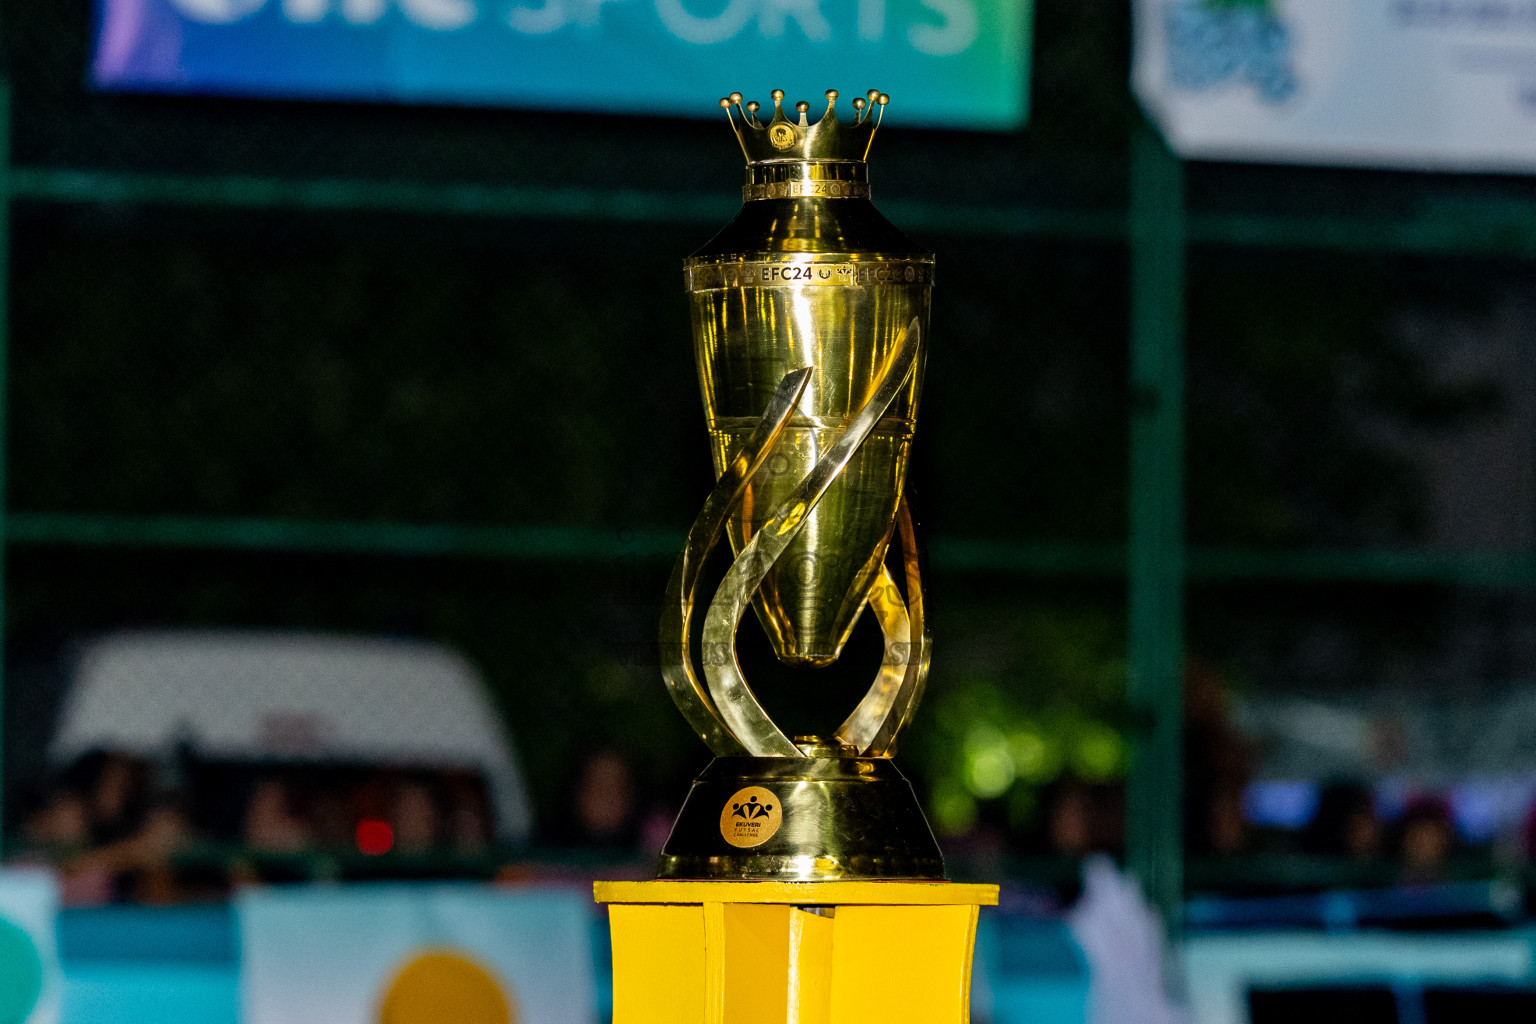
<point x="810" y="320"/>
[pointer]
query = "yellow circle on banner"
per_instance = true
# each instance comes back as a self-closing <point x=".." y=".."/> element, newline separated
<point x="750" y="817"/>
<point x="444" y="987"/>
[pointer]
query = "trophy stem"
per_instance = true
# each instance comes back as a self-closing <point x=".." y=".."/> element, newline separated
<point x="742" y="713"/>
<point x="690" y="695"/>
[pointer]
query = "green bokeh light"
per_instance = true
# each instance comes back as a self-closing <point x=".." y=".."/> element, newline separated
<point x="989" y="769"/>
<point x="954" y="810"/>
<point x="1036" y="755"/>
<point x="1098" y="753"/>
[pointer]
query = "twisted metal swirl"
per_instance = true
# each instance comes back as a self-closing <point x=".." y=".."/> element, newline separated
<point x="725" y="713"/>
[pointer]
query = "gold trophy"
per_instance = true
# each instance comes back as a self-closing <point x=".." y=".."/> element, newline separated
<point x="801" y="882"/>
<point x="810" y="313"/>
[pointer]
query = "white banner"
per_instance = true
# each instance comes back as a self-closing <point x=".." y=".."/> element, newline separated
<point x="30" y="980"/>
<point x="362" y="954"/>
<point x="1411" y="84"/>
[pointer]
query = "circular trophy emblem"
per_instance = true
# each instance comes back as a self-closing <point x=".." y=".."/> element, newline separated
<point x="782" y="136"/>
<point x="750" y="817"/>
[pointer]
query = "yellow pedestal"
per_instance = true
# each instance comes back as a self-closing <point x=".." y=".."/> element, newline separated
<point x="792" y="952"/>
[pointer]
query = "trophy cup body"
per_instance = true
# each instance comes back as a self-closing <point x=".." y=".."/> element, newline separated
<point x="828" y="284"/>
<point x="810" y="318"/>
<point x="801" y="881"/>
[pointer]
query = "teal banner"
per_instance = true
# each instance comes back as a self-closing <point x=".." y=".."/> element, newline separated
<point x="945" y="63"/>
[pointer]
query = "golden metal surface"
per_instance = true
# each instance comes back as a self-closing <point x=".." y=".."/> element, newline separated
<point x="890" y="611"/>
<point x="821" y="271"/>
<point x="839" y="817"/>
<point x="805" y="189"/>
<point x="690" y="696"/>
<point x="890" y="702"/>
<point x="822" y="282"/>
<point x="784" y="138"/>
<point x="746" y="337"/>
<point x="919" y="654"/>
<point x="734" y="699"/>
<point x="810" y="323"/>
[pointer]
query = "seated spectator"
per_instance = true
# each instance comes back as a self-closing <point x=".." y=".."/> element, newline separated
<point x="1427" y="839"/>
<point x="108" y="839"/>
<point x="117" y="793"/>
<point x="605" y="801"/>
<point x="137" y="866"/>
<point x="1216" y="764"/>
<point x="469" y="819"/>
<point x="1083" y="818"/>
<point x="58" y="823"/>
<point x="1345" y="824"/>
<point x="270" y="825"/>
<point x="415" y="819"/>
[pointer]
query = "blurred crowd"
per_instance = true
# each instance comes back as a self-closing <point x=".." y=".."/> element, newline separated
<point x="1420" y="844"/>
<point x="122" y="827"/>
<point x="119" y="827"/>
<point x="1350" y="832"/>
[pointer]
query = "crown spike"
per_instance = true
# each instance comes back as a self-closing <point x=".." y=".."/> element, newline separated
<point x="882" y="99"/>
<point x="726" y="103"/>
<point x="831" y="105"/>
<point x="789" y="135"/>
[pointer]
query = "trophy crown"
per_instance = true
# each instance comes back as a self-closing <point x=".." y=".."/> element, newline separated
<point x="782" y="139"/>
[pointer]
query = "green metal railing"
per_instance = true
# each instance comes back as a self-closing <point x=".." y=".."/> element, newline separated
<point x="559" y="543"/>
<point x="1155" y="647"/>
<point x="1505" y="230"/>
<point x="5" y="322"/>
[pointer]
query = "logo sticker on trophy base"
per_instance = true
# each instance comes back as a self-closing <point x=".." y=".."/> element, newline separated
<point x="751" y="817"/>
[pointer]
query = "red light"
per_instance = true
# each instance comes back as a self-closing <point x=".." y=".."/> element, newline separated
<point x="374" y="836"/>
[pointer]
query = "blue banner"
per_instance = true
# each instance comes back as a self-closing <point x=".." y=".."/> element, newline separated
<point x="954" y="63"/>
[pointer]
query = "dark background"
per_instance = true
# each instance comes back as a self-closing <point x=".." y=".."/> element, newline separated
<point x="408" y="366"/>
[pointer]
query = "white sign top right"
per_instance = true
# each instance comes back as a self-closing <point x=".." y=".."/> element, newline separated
<point x="1446" y="85"/>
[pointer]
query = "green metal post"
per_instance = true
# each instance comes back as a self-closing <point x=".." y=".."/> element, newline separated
<point x="5" y="320"/>
<point x="1154" y="811"/>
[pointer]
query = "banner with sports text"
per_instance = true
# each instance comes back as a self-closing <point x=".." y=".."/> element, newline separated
<point x="1411" y="84"/>
<point x="956" y="63"/>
